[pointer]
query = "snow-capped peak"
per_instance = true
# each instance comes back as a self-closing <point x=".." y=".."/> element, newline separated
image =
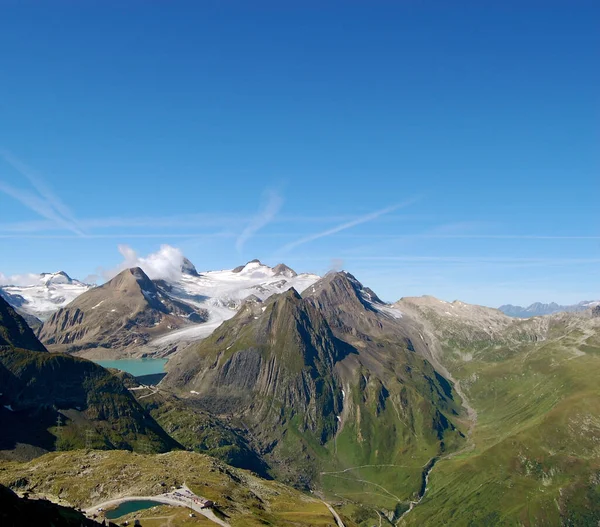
<point x="59" y="277"/>
<point x="45" y="293"/>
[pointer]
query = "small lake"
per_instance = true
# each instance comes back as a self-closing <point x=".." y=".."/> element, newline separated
<point x="130" y="506"/>
<point x="137" y="367"/>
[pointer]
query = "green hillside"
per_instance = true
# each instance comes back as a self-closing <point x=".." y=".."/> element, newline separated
<point x="535" y="456"/>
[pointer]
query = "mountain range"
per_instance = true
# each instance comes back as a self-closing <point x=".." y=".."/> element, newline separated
<point x="538" y="309"/>
<point x="421" y="412"/>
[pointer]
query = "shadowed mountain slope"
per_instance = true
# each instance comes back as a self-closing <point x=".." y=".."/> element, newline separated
<point x="50" y="401"/>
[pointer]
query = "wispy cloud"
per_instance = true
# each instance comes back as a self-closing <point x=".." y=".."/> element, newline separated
<point x="38" y="205"/>
<point x="271" y="206"/>
<point x="43" y="202"/>
<point x="347" y="225"/>
<point x="120" y="235"/>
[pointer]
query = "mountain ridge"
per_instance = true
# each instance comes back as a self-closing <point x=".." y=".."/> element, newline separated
<point x="539" y="309"/>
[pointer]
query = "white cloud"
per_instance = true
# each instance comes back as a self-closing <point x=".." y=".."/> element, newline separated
<point x="20" y="279"/>
<point x="163" y="264"/>
<point x="272" y="204"/>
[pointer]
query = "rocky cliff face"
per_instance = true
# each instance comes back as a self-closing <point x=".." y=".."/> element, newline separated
<point x="14" y="331"/>
<point x="126" y="311"/>
<point x="281" y="353"/>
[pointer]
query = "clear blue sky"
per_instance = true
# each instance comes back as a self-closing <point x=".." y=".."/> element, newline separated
<point x="425" y="148"/>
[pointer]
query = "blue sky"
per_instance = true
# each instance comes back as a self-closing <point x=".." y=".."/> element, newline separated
<point x="427" y="149"/>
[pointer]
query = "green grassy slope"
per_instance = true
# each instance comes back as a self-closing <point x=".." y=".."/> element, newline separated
<point x="536" y="454"/>
<point x="84" y="479"/>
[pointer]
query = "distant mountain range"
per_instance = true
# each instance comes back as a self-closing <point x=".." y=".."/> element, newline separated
<point x="538" y="309"/>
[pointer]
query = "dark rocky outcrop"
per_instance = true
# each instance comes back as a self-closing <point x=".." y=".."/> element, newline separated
<point x="188" y="268"/>
<point x="596" y="311"/>
<point x="19" y="512"/>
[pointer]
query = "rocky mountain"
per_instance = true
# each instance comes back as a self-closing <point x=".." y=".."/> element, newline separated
<point x="214" y="295"/>
<point x="125" y="312"/>
<point x="45" y="294"/>
<point x="52" y="401"/>
<point x="538" y="309"/>
<point x="324" y="382"/>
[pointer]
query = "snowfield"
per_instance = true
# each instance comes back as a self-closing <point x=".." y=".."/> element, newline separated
<point x="222" y="292"/>
<point x="51" y="292"/>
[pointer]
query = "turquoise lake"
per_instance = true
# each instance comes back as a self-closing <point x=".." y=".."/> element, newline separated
<point x="136" y="367"/>
<point x="130" y="506"/>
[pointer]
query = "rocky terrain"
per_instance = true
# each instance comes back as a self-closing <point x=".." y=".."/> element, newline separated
<point x="14" y="331"/>
<point x="132" y="314"/>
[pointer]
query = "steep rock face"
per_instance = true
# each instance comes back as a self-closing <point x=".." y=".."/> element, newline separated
<point x="14" y="331"/>
<point x="328" y="380"/>
<point x="596" y="311"/>
<point x="281" y="353"/>
<point x="188" y="268"/>
<point x="126" y="311"/>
